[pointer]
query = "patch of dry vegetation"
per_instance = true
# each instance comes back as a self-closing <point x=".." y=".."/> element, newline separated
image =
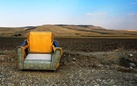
<point x="68" y="31"/>
<point x="8" y="32"/>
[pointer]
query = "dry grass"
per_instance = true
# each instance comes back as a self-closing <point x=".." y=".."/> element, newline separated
<point x="70" y="31"/>
<point x="8" y="32"/>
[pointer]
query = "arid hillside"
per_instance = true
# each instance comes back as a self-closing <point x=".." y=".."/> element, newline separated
<point x="67" y="31"/>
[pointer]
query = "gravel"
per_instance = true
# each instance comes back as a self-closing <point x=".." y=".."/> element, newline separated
<point x="74" y="70"/>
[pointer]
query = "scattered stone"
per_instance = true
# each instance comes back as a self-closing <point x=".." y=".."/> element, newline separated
<point x="23" y="83"/>
<point x="74" y="59"/>
<point x="100" y="65"/>
<point x="104" y="81"/>
<point x="10" y="84"/>
<point x="1" y="76"/>
<point x="69" y="73"/>
<point x="95" y="83"/>
<point x="111" y="82"/>
<point x="130" y="55"/>
<point x="93" y="70"/>
<point x="132" y="65"/>
<point x="99" y="80"/>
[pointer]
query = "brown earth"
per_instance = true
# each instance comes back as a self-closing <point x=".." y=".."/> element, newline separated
<point x="85" y="62"/>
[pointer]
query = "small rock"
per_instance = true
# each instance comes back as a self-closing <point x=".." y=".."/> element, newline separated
<point x="99" y="80"/>
<point x="10" y="84"/>
<point x="1" y="76"/>
<point x="104" y="82"/>
<point x="132" y="65"/>
<point x="111" y="82"/>
<point x="73" y="62"/>
<point x="94" y="83"/>
<point x="74" y="59"/>
<point x="130" y="55"/>
<point x="92" y="70"/>
<point x="100" y="66"/>
<point x="23" y="83"/>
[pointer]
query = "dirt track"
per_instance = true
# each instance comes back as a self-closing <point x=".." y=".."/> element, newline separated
<point x="86" y="61"/>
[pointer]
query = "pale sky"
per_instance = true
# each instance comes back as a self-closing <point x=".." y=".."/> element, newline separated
<point x="110" y="14"/>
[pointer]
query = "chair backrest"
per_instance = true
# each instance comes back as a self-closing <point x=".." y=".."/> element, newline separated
<point x="40" y="42"/>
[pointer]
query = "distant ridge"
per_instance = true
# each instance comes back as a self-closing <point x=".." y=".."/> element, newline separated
<point x="64" y="30"/>
<point x="83" y="27"/>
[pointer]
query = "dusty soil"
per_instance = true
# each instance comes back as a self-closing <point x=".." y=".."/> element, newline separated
<point x="85" y="62"/>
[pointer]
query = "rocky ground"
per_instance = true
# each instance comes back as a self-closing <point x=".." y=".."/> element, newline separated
<point x="87" y="65"/>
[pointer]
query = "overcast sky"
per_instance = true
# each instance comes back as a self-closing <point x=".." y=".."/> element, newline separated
<point x="110" y="14"/>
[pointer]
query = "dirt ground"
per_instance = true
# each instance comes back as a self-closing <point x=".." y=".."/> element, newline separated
<point x="85" y="62"/>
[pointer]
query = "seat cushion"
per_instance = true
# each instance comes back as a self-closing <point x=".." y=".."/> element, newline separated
<point x="40" y="42"/>
<point x="38" y="57"/>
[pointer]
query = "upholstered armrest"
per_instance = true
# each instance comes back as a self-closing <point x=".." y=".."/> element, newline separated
<point x="21" y="54"/>
<point x="56" y="55"/>
<point x="56" y="58"/>
<point x="24" y="45"/>
<point x="24" y="52"/>
<point x="57" y="48"/>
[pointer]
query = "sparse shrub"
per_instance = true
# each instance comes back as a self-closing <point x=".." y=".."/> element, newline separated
<point x="2" y="53"/>
<point x="77" y="33"/>
<point x="17" y="35"/>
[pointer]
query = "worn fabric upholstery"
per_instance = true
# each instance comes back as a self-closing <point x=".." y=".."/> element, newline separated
<point x="40" y="42"/>
<point x="46" y="57"/>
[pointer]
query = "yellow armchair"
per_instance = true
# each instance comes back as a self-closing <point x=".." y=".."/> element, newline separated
<point x="39" y="52"/>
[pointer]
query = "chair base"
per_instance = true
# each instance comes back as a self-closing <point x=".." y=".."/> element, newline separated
<point x="37" y="65"/>
<point x="51" y="63"/>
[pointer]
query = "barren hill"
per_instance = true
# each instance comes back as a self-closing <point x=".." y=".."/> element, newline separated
<point x="67" y="31"/>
